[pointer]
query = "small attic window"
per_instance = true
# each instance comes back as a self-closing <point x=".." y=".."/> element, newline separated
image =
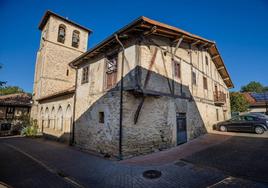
<point x="206" y="60"/>
<point x="61" y="33"/>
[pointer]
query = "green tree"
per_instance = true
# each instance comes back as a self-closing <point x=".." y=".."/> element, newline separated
<point x="2" y="83"/>
<point x="253" y="87"/>
<point x="238" y="102"/>
<point x="5" y="90"/>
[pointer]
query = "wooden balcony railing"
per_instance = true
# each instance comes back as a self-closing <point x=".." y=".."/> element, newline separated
<point x="219" y="98"/>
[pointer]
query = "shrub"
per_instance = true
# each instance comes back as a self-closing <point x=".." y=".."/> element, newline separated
<point x="30" y="129"/>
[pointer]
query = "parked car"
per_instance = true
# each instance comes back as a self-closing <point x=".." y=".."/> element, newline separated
<point x="244" y="123"/>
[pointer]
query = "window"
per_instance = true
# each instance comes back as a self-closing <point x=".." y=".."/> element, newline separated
<point x="85" y="75"/>
<point x="217" y="114"/>
<point x="61" y="33"/>
<point x="206" y="60"/>
<point x="249" y="118"/>
<point x="177" y="69"/>
<point x="67" y="72"/>
<point x="194" y="78"/>
<point x="101" y="117"/>
<point x="10" y="110"/>
<point x="75" y="39"/>
<point x="205" y="83"/>
<point x="111" y="71"/>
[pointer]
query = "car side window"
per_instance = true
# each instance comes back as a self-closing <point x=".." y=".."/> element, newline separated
<point x="236" y="118"/>
<point x="249" y="118"/>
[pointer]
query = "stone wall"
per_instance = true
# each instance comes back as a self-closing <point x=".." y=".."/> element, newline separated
<point x="55" y="117"/>
<point x="93" y="97"/>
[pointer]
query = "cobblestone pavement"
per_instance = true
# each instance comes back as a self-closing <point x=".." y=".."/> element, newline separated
<point x="28" y="163"/>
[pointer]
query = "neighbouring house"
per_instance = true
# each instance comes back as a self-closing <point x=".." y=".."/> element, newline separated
<point x="258" y="102"/>
<point x="12" y="108"/>
<point x="147" y="87"/>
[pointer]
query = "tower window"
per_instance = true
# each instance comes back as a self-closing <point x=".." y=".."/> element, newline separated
<point x="75" y="39"/>
<point x="67" y="72"/>
<point x="85" y="75"/>
<point x="111" y="71"/>
<point x="61" y="33"/>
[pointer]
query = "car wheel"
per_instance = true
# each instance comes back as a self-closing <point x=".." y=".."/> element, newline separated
<point x="223" y="128"/>
<point x="259" y="130"/>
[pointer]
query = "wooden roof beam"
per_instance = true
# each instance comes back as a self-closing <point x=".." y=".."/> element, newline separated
<point x="152" y="30"/>
<point x="220" y="68"/>
<point x="204" y="45"/>
<point x="196" y="42"/>
<point x="177" y="45"/>
<point x="215" y="56"/>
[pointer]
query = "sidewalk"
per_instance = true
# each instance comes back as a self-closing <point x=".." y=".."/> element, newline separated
<point x="179" y="152"/>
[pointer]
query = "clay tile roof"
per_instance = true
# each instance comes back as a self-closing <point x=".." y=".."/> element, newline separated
<point x="18" y="99"/>
<point x="144" y="24"/>
<point x="49" y="13"/>
<point x="249" y="98"/>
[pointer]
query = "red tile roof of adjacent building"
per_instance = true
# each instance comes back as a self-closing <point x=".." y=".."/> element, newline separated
<point x="17" y="99"/>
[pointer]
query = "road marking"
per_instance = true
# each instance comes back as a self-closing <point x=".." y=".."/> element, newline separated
<point x="50" y="169"/>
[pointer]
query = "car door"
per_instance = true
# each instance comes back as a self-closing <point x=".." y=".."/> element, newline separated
<point x="245" y="124"/>
<point x="234" y="123"/>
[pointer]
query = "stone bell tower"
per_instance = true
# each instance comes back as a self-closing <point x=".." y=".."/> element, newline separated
<point x="61" y="42"/>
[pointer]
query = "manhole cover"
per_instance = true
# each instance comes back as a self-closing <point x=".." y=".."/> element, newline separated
<point x="180" y="163"/>
<point x="152" y="174"/>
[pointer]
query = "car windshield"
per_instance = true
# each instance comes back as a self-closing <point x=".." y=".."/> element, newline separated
<point x="260" y="115"/>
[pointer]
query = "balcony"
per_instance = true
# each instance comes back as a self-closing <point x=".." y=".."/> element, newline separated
<point x="219" y="98"/>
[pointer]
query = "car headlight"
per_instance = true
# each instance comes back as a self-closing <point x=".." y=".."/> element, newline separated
<point x="267" y="122"/>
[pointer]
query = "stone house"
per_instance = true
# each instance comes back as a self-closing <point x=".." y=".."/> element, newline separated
<point x="12" y="108"/>
<point x="147" y="87"/>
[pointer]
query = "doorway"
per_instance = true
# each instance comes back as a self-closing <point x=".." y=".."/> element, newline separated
<point x="181" y="128"/>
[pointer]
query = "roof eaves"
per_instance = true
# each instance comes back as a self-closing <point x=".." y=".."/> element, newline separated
<point x="49" y="13"/>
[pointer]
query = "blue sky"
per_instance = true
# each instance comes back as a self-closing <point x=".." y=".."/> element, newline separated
<point x="240" y="29"/>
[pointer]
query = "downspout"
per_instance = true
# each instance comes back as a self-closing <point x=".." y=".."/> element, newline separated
<point x="74" y="105"/>
<point x="121" y="98"/>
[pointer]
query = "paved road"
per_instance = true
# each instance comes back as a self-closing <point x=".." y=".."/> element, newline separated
<point x="245" y="157"/>
<point x="38" y="163"/>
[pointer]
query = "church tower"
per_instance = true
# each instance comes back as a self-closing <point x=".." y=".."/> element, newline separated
<point x="61" y="42"/>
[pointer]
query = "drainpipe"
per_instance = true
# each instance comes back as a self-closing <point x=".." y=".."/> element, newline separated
<point x="73" y="119"/>
<point x="121" y="98"/>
